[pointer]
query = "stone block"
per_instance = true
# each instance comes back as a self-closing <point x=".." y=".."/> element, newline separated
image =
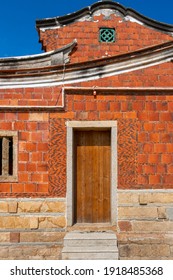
<point x="53" y="206"/>
<point x="4" y="237"/>
<point x="33" y="252"/>
<point x="161" y="213"/>
<point x="41" y="206"/>
<point x="3" y="207"/>
<point x="162" y="198"/>
<point x="152" y="226"/>
<point x="137" y="212"/>
<point x="158" y="250"/>
<point x="14" y="237"/>
<point x="145" y="251"/>
<point x="29" y="206"/>
<point x="171" y="250"/>
<point x="42" y="236"/>
<point x="143" y="199"/>
<point x="52" y="222"/>
<point x="4" y="252"/>
<point x="15" y="222"/>
<point x="168" y="239"/>
<point x="129" y="250"/>
<point x="12" y="206"/>
<point x="124" y="226"/>
<point x="128" y="198"/>
<point x="33" y="223"/>
<point x="21" y="222"/>
<point x="18" y="222"/>
<point x="169" y="212"/>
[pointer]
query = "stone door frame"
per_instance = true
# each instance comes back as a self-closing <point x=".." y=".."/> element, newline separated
<point x="71" y="125"/>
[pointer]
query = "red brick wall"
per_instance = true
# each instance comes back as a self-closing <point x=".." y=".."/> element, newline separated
<point x="33" y="135"/>
<point x="45" y="96"/>
<point x="130" y="36"/>
<point x="145" y="119"/>
<point x="145" y="132"/>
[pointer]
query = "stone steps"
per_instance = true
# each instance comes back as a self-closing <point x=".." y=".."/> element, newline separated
<point x="85" y="245"/>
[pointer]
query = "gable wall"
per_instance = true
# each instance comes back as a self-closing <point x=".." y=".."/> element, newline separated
<point x="130" y="36"/>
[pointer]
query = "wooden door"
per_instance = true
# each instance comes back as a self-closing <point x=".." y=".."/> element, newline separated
<point x="92" y="176"/>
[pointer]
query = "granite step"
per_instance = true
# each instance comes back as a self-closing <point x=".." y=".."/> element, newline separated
<point x="90" y="245"/>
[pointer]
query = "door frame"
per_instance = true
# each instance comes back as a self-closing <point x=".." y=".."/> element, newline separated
<point x="84" y="125"/>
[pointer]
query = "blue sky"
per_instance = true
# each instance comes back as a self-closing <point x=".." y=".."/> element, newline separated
<point x="18" y="35"/>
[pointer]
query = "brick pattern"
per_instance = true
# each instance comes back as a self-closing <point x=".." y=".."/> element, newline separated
<point x="155" y="143"/>
<point x="127" y="153"/>
<point x="57" y="158"/>
<point x="43" y="96"/>
<point x="33" y="135"/>
<point x="144" y="141"/>
<point x="130" y="36"/>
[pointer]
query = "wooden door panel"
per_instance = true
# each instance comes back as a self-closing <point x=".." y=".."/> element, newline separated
<point x="92" y="172"/>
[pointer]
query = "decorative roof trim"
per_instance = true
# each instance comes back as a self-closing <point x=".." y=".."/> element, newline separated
<point x="88" y="11"/>
<point x="88" y="71"/>
<point x="57" y="57"/>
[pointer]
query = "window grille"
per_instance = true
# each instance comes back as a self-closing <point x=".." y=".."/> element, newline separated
<point x="107" y="35"/>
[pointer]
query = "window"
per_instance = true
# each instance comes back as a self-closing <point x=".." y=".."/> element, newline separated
<point x="8" y="156"/>
<point x="107" y="35"/>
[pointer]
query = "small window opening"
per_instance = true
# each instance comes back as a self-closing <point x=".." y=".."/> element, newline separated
<point x="6" y="156"/>
<point x="0" y="156"/>
<point x="107" y="35"/>
<point x="10" y="162"/>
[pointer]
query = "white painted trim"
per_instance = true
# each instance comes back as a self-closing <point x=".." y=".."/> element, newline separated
<point x="69" y="206"/>
<point x="70" y="141"/>
<point x="40" y="55"/>
<point x="93" y="73"/>
<point x="91" y="124"/>
<point x="120" y="88"/>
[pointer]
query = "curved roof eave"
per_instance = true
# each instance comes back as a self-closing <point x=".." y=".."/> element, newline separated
<point x="70" y="18"/>
<point x="56" y="57"/>
<point x="87" y="71"/>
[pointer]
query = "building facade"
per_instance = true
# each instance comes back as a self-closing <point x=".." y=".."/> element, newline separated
<point x="86" y="136"/>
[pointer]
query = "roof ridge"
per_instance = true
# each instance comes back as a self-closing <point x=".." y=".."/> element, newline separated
<point x="69" y="18"/>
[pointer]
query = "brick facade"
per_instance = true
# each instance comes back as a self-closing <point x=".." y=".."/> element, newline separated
<point x="130" y="36"/>
<point x="140" y="100"/>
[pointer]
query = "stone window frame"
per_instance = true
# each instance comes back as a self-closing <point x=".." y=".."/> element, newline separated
<point x="14" y="177"/>
<point x="82" y="125"/>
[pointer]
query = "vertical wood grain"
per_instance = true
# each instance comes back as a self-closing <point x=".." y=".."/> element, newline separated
<point x="93" y="156"/>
